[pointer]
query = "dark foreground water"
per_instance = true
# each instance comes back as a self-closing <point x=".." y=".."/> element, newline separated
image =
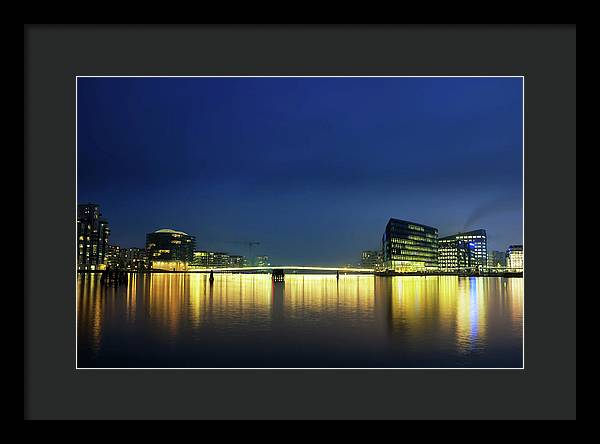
<point x="244" y="320"/>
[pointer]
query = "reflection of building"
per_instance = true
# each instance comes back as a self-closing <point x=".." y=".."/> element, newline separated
<point x="408" y="246"/>
<point x="454" y="254"/>
<point x="371" y="259"/>
<point x="170" y="249"/>
<point x="475" y="244"/>
<point x="514" y="257"/>
<point x="496" y="259"/>
<point x="262" y="261"/>
<point x="92" y="237"/>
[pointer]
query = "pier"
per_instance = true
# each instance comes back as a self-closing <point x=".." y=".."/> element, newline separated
<point x="278" y="275"/>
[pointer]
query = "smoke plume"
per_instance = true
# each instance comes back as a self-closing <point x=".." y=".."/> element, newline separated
<point x="492" y="207"/>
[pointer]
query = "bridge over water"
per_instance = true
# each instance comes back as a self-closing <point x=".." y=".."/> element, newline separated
<point x="278" y="270"/>
<point x="285" y="268"/>
<point x="349" y="270"/>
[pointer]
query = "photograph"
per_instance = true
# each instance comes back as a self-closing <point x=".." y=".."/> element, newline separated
<point x="299" y="222"/>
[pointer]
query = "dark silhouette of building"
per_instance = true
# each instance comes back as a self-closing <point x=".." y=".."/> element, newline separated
<point x="278" y="275"/>
<point x="134" y="258"/>
<point x="497" y="259"/>
<point x="113" y="256"/>
<point x="236" y="261"/>
<point x="131" y="259"/>
<point x="262" y="261"/>
<point x="92" y="237"/>
<point x="371" y="259"/>
<point x="170" y="249"/>
<point x="409" y="246"/>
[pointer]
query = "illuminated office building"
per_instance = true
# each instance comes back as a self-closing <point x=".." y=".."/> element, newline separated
<point x="408" y="246"/>
<point x="514" y="257"/>
<point x="454" y="254"/>
<point x="92" y="238"/>
<point x="476" y="243"/>
<point x="236" y="261"/>
<point x="371" y="259"/>
<point x="478" y="239"/>
<point x="170" y="249"/>
<point x="216" y="259"/>
<point x="200" y="259"/>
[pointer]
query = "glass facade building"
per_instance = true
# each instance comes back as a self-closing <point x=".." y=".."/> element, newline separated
<point x="454" y="254"/>
<point x="92" y="237"/>
<point x="475" y="243"/>
<point x="478" y="239"/>
<point x="170" y="249"/>
<point x="409" y="246"/>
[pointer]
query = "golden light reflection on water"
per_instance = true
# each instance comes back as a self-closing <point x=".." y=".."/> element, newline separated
<point x="450" y="310"/>
<point x="514" y="295"/>
<point x="403" y="315"/>
<point x="89" y="310"/>
<point x="315" y="294"/>
<point x="184" y="300"/>
<point x="132" y="298"/>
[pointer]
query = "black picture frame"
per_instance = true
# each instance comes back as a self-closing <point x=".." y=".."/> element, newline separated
<point x="54" y="55"/>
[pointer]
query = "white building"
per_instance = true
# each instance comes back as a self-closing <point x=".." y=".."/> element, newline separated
<point x="514" y="257"/>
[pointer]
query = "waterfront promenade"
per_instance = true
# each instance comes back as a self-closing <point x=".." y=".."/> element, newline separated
<point x="291" y="269"/>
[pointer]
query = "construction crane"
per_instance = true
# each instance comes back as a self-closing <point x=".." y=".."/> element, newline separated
<point x="250" y="245"/>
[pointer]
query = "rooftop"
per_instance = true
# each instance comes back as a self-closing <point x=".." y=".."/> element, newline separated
<point x="168" y="230"/>
<point x="480" y="232"/>
<point x="394" y="220"/>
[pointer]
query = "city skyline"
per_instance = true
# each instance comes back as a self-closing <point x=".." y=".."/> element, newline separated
<point x="283" y="161"/>
<point x="175" y="250"/>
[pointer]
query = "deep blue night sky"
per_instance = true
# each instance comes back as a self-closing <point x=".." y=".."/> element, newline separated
<point x="312" y="168"/>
